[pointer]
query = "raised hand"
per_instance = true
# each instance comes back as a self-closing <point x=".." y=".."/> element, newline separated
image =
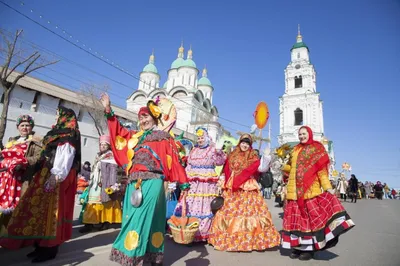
<point x="105" y="100"/>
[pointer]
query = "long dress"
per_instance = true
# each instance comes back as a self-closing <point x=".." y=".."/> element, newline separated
<point x="203" y="180"/>
<point x="313" y="220"/>
<point x="155" y="160"/>
<point x="46" y="217"/>
<point x="45" y="212"/>
<point x="244" y="222"/>
<point x="101" y="207"/>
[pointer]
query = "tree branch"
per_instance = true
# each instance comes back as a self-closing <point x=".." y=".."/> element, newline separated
<point x="21" y="63"/>
<point x="10" y="52"/>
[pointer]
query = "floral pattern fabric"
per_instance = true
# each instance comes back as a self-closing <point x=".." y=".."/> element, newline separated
<point x="10" y="179"/>
<point x="203" y="186"/>
<point x="244" y="223"/>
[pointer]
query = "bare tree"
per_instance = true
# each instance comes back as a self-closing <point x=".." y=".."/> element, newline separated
<point x="14" y="61"/>
<point x="90" y="101"/>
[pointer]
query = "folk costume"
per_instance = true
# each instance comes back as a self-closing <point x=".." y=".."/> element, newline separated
<point x="244" y="222"/>
<point x="44" y="215"/>
<point x="20" y="155"/>
<point x="101" y="207"/>
<point x="313" y="219"/>
<point x="203" y="180"/>
<point x="149" y="158"/>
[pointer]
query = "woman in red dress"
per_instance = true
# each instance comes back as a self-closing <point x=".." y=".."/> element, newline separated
<point x="44" y="214"/>
<point x="313" y="217"/>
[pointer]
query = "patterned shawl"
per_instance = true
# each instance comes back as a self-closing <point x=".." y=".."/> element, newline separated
<point x="66" y="130"/>
<point x="243" y="165"/>
<point x="311" y="159"/>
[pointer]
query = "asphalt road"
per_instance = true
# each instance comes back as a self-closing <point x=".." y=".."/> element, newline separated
<point x="375" y="240"/>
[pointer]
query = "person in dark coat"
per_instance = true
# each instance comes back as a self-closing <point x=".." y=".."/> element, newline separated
<point x="353" y="185"/>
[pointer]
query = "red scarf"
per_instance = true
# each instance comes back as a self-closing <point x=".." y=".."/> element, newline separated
<point x="311" y="159"/>
<point x="244" y="164"/>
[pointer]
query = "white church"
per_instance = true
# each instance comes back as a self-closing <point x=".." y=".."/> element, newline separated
<point x="192" y="96"/>
<point x="301" y="103"/>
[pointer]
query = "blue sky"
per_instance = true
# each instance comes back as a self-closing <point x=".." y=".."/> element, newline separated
<point x="246" y="45"/>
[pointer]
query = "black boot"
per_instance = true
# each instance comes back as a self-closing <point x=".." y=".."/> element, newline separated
<point x="46" y="254"/>
<point x="86" y="229"/>
<point x="306" y="255"/>
<point x="104" y="226"/>
<point x="295" y="254"/>
<point x="34" y="253"/>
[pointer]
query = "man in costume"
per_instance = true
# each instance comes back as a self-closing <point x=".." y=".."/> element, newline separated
<point x="149" y="157"/>
<point x="20" y="155"/>
<point x="43" y="217"/>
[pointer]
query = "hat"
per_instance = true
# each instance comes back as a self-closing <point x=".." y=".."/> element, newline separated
<point x="25" y="118"/>
<point x="105" y="139"/>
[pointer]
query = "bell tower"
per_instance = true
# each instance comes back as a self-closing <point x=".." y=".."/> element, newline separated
<point x="300" y="104"/>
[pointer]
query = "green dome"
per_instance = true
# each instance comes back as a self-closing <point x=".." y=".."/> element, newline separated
<point x="150" y="68"/>
<point x="299" y="45"/>
<point x="204" y="81"/>
<point x="189" y="63"/>
<point x="165" y="85"/>
<point x="177" y="63"/>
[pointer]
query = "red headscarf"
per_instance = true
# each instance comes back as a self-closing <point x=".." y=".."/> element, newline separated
<point x="144" y="110"/>
<point x="311" y="159"/>
<point x="244" y="164"/>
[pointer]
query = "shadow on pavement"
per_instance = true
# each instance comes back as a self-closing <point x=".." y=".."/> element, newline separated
<point x="174" y="252"/>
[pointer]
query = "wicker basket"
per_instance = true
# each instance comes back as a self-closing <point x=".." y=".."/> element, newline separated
<point x="184" y="235"/>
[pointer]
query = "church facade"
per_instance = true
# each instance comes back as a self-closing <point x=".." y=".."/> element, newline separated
<point x="301" y="103"/>
<point x="192" y="96"/>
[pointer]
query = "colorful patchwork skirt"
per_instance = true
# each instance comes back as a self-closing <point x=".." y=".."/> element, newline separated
<point x="141" y="238"/>
<point x="244" y="223"/>
<point x="318" y="226"/>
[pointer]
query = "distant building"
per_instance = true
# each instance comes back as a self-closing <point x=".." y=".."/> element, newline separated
<point x="192" y="96"/>
<point x="40" y="99"/>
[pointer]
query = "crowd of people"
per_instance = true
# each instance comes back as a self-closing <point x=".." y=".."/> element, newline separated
<point x="126" y="184"/>
<point x="354" y="189"/>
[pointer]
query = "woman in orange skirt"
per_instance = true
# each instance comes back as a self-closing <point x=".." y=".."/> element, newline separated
<point x="244" y="222"/>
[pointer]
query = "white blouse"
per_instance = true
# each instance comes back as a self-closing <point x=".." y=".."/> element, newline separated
<point x="264" y="163"/>
<point x="63" y="161"/>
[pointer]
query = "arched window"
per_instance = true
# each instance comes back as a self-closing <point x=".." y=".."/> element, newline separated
<point x="298" y="82"/>
<point x="298" y="117"/>
<point x="298" y="55"/>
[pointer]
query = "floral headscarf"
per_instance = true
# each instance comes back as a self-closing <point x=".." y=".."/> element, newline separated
<point x="311" y="159"/>
<point x="203" y="132"/>
<point x="66" y="130"/>
<point x="243" y="164"/>
<point x="25" y="118"/>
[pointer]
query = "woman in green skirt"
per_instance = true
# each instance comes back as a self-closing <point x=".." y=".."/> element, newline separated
<point x="149" y="157"/>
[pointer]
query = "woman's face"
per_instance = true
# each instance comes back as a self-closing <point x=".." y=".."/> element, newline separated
<point x="146" y="121"/>
<point x="200" y="140"/>
<point x="25" y="129"/>
<point x="104" y="147"/>
<point x="303" y="135"/>
<point x="244" y="146"/>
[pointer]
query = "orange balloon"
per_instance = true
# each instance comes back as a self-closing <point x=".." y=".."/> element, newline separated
<point x="261" y="115"/>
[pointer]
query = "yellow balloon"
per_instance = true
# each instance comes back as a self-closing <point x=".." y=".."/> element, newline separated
<point x="261" y="115"/>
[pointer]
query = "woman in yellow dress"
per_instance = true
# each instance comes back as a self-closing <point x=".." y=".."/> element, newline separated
<point x="102" y="209"/>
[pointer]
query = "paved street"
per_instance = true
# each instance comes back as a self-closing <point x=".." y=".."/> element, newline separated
<point x="375" y="240"/>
